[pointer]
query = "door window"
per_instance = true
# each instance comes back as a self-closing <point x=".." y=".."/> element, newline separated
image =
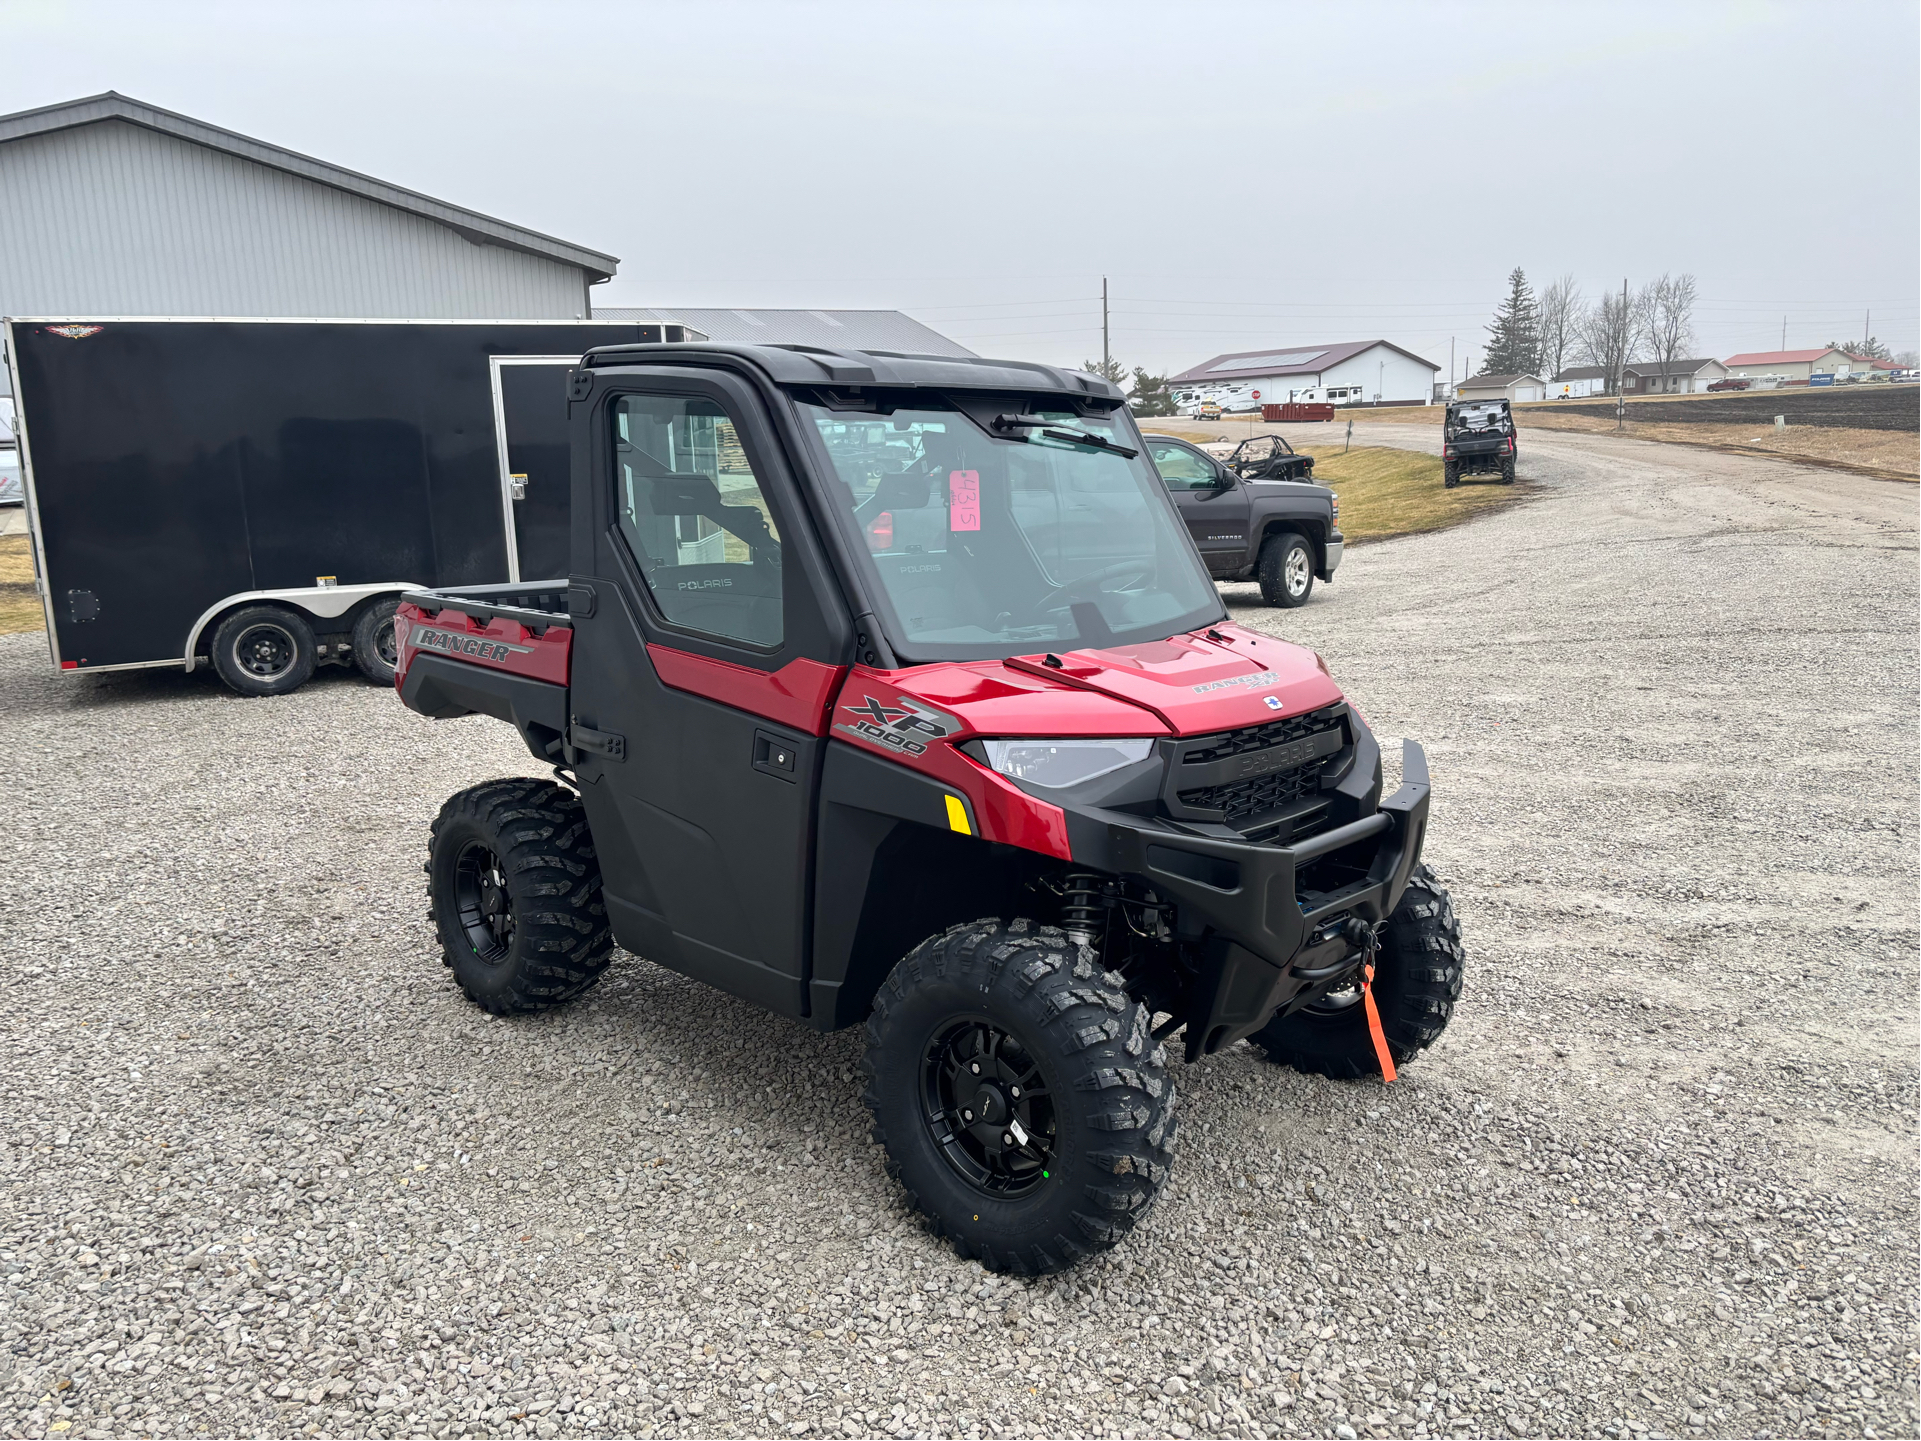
<point x="1180" y="467"/>
<point x="695" y="519"/>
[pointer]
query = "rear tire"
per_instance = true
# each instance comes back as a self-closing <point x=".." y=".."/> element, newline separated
<point x="1507" y="471"/>
<point x="1417" y="980"/>
<point x="263" y="650"/>
<point x="514" y="891"/>
<point x="1025" y="1180"/>
<point x="374" y="649"/>
<point x="1450" y="474"/>
<point x="1286" y="569"/>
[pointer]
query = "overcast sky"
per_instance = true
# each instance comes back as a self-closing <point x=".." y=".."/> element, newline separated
<point x="1246" y="176"/>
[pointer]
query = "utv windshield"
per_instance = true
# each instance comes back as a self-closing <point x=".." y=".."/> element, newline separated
<point x="986" y="544"/>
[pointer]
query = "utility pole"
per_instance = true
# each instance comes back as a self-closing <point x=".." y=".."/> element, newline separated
<point x="1784" y="332"/>
<point x="1106" y="363"/>
<point x="1867" y="327"/>
<point x="1450" y="367"/>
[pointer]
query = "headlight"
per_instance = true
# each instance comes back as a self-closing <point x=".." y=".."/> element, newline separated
<point x="1063" y="762"/>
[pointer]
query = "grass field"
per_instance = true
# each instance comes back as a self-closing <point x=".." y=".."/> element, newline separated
<point x="1386" y="492"/>
<point x="19" y="606"/>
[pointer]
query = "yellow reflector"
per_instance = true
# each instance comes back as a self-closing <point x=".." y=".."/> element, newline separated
<point x="957" y="816"/>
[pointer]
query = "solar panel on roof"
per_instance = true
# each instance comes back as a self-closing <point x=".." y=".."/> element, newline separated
<point x="1259" y="362"/>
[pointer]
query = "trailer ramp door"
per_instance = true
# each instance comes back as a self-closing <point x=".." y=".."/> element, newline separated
<point x="530" y="435"/>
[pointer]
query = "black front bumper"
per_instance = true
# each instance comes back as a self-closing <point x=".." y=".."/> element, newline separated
<point x="1259" y="915"/>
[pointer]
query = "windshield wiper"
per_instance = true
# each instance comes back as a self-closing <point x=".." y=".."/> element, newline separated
<point x="1053" y="431"/>
<point x="1087" y="437"/>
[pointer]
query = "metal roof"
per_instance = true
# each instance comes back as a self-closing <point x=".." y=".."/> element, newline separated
<point x="794" y="364"/>
<point x="1783" y="357"/>
<point x="1484" y="382"/>
<point x="835" y="329"/>
<point x="471" y="224"/>
<point x="1299" y="360"/>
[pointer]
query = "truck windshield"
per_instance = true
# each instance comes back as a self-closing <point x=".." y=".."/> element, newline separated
<point x="986" y="546"/>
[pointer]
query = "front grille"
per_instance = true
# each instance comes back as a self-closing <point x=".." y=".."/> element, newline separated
<point x="1260" y="737"/>
<point x="1239" y="800"/>
<point x="1278" y="788"/>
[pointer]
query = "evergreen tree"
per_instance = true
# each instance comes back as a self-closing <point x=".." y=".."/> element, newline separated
<point x="1150" y="395"/>
<point x="1514" y="339"/>
<point x="1110" y="369"/>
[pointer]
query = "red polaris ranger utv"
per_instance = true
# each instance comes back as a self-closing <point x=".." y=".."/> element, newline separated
<point x="891" y="690"/>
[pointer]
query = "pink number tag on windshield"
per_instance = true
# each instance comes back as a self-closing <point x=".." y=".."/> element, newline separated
<point x="963" y="500"/>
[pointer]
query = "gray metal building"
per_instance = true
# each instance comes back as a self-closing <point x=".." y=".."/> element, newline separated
<point x="110" y="207"/>
<point x="830" y="329"/>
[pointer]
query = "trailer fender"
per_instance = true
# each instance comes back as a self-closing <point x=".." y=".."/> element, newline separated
<point x="322" y="602"/>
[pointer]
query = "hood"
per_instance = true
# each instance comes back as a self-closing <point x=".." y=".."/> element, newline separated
<point x="1221" y="678"/>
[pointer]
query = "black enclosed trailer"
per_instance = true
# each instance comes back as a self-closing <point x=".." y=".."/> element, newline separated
<point x="254" y="494"/>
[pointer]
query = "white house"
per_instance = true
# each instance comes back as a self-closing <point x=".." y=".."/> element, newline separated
<point x="1516" y="388"/>
<point x="1682" y="377"/>
<point x="1355" y="372"/>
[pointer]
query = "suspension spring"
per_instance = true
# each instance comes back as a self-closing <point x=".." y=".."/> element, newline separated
<point x="1084" y="908"/>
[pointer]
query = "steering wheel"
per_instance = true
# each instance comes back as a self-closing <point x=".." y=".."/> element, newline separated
<point x="1141" y="565"/>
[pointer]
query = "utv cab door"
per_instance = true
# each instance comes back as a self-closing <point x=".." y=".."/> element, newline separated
<point x="530" y="439"/>
<point x="707" y="649"/>
<point x="1211" y="502"/>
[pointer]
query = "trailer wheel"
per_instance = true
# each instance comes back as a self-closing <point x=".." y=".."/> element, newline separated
<point x="264" y="650"/>
<point x="1023" y="1101"/>
<point x="514" y="890"/>
<point x="1417" y="980"/>
<point x="1286" y="569"/>
<point x="375" y="653"/>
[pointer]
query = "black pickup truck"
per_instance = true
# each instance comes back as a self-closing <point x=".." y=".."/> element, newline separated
<point x="1252" y="518"/>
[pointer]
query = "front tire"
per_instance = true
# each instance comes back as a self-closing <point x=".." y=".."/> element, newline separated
<point x="375" y="651"/>
<point x="263" y="650"/>
<point x="514" y="889"/>
<point x="1286" y="570"/>
<point x="1020" y="1094"/>
<point x="1417" y="980"/>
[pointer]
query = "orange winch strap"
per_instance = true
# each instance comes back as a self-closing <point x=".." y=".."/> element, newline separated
<point x="1374" y="1025"/>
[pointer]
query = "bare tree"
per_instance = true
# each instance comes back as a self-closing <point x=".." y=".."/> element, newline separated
<point x="1610" y="332"/>
<point x="1560" y="324"/>
<point x="1666" y="319"/>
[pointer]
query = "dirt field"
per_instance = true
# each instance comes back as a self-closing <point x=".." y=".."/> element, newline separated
<point x="1886" y="450"/>
<point x="20" y="608"/>
<point x="264" y="1171"/>
<point x="1848" y="407"/>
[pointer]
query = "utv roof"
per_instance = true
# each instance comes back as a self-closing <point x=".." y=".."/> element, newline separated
<point x="817" y="365"/>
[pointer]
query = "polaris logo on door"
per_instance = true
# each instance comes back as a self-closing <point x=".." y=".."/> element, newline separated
<point x="451" y="642"/>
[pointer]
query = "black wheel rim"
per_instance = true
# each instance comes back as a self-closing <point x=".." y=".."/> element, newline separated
<point x="481" y="899"/>
<point x="384" y="644"/>
<point x="265" y="651"/>
<point x="988" y="1108"/>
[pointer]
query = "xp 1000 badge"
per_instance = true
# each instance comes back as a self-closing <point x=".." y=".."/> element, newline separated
<point x="900" y="727"/>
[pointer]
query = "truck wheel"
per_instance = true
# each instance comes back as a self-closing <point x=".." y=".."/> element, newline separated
<point x="1417" y="980"/>
<point x="263" y="650"/>
<point x="1286" y="569"/>
<point x="1507" y="471"/>
<point x="1450" y="474"/>
<point x="374" y="651"/>
<point x="1023" y="1101"/>
<point x="514" y="889"/>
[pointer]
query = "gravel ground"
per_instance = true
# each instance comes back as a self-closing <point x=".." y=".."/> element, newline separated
<point x="265" y="1172"/>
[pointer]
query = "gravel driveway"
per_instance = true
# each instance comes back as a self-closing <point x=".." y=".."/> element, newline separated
<point x="266" y="1172"/>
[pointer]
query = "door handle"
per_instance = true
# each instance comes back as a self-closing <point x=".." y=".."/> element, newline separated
<point x="517" y="486"/>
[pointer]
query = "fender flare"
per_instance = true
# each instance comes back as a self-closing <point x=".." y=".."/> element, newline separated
<point x="322" y="602"/>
